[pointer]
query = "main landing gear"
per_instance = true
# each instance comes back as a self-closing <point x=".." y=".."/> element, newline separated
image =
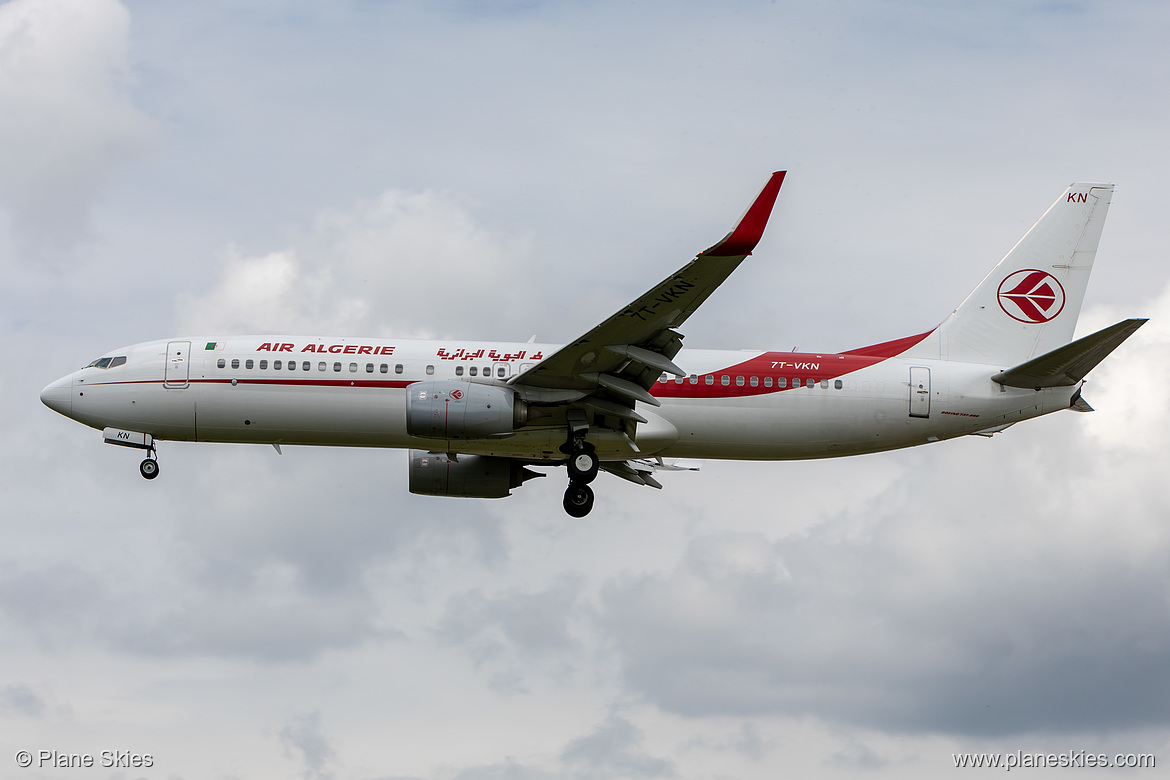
<point x="582" y="466"/>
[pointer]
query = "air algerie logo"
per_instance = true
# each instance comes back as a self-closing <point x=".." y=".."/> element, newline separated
<point x="1031" y="296"/>
<point x="456" y="394"/>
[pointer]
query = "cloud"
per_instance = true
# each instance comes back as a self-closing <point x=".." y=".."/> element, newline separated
<point x="524" y="632"/>
<point x="304" y="738"/>
<point x="404" y="264"/>
<point x="613" y="750"/>
<point x="66" y="118"/>
<point x="22" y="700"/>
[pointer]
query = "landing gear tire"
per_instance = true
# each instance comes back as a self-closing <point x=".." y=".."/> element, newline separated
<point x="583" y="465"/>
<point x="578" y="499"/>
<point x="148" y="468"/>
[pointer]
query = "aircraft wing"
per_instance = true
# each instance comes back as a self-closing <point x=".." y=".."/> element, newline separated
<point x="621" y="358"/>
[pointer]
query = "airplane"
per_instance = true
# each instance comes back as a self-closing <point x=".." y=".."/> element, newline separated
<point x="626" y="397"/>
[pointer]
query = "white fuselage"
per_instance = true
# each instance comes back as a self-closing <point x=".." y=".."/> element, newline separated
<point x="749" y="404"/>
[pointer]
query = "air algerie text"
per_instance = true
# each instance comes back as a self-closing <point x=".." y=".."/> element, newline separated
<point x="335" y="349"/>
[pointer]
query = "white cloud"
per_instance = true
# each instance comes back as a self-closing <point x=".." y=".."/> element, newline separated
<point x="403" y="264"/>
<point x="66" y="119"/>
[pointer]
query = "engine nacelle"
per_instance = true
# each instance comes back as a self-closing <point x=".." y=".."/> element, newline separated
<point x="462" y="410"/>
<point x="468" y="476"/>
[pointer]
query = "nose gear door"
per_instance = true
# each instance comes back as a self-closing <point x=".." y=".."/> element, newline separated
<point x="178" y="364"/>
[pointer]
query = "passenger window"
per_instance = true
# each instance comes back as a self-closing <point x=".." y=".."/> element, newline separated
<point x="321" y="366"/>
<point x="501" y="372"/>
<point x="307" y="366"/>
<point x="248" y="364"/>
<point x="810" y="382"/>
<point x="458" y="370"/>
<point x="277" y="365"/>
<point x="824" y="384"/>
<point x="369" y="368"/>
<point x="235" y="362"/>
<point x="694" y="379"/>
<point x="221" y="363"/>
<point x="710" y="379"/>
<point x="472" y="371"/>
<point x="739" y="381"/>
<point x="382" y="369"/>
<point x="430" y="370"/>
<point x="755" y="381"/>
<point x="398" y="368"/>
<point x="336" y="366"/>
<point x="837" y="384"/>
<point x="782" y="382"/>
<point x="767" y="381"/>
<point x="118" y="361"/>
<point x="678" y="380"/>
<point x="353" y="368"/>
<point x="726" y="380"/>
<point x="263" y="364"/>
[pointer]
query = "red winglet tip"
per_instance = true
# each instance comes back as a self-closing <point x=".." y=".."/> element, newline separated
<point x="743" y="239"/>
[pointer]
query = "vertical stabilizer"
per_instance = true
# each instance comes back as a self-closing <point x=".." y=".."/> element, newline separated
<point x="1029" y="303"/>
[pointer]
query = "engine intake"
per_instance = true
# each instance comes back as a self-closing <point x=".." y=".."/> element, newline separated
<point x="468" y="476"/>
<point x="462" y="410"/>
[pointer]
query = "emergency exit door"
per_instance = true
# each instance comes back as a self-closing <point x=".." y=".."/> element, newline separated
<point x="919" y="392"/>
<point x="178" y="364"/>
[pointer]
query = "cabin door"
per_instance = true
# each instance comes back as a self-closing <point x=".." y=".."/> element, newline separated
<point x="178" y="364"/>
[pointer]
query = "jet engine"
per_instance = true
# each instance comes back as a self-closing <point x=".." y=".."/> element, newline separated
<point x="462" y="410"/>
<point x="465" y="476"/>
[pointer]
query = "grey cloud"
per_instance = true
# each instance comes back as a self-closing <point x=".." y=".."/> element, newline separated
<point x="532" y="624"/>
<point x="857" y="756"/>
<point x="613" y="750"/>
<point x="508" y="770"/>
<point x="22" y="700"/>
<point x="304" y="738"/>
<point x="876" y="633"/>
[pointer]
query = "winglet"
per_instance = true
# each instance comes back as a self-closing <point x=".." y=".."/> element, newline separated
<point x="750" y="229"/>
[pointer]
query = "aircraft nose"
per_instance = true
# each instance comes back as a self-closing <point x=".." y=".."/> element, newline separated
<point x="59" y="395"/>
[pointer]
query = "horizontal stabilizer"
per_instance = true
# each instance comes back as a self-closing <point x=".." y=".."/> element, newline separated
<point x="1067" y="365"/>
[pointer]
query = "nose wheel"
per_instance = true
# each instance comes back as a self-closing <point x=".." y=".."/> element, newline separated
<point x="148" y="468"/>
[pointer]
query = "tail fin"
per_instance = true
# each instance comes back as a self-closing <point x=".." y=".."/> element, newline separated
<point x="1028" y="305"/>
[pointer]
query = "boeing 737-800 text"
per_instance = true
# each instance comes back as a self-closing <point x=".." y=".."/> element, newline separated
<point x="626" y="397"/>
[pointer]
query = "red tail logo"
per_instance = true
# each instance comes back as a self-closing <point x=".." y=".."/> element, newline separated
<point x="1031" y="296"/>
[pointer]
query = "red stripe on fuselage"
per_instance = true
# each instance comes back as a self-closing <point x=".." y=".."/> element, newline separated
<point x="790" y="366"/>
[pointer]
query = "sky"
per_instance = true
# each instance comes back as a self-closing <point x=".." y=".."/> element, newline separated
<point x="495" y="170"/>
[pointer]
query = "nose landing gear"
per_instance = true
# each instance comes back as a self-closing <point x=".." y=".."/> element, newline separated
<point x="149" y="467"/>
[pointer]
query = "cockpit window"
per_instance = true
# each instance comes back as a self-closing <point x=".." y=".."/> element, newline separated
<point x="108" y="362"/>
